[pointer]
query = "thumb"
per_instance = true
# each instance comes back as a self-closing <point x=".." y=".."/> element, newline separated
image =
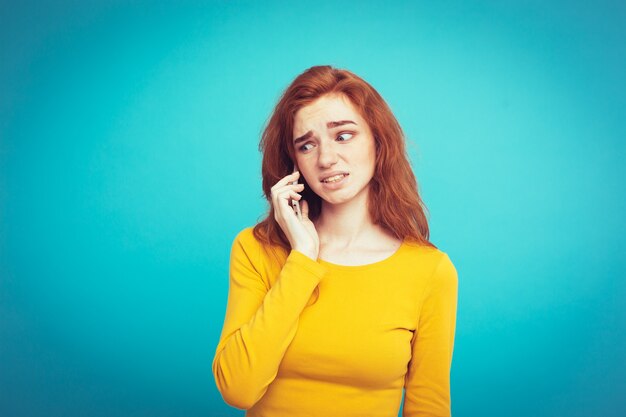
<point x="304" y="209"/>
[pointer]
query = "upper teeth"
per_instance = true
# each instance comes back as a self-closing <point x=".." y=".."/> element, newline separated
<point x="335" y="178"/>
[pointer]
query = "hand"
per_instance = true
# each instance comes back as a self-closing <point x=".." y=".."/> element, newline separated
<point x="301" y="233"/>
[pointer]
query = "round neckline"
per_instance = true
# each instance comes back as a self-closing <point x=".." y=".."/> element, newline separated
<point x="364" y="266"/>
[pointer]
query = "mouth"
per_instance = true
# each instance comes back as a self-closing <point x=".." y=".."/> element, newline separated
<point x="335" y="178"/>
<point x="338" y="182"/>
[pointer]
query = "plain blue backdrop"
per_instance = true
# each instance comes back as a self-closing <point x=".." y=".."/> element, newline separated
<point x="129" y="161"/>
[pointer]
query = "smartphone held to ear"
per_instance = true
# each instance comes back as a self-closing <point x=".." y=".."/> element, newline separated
<point x="295" y="203"/>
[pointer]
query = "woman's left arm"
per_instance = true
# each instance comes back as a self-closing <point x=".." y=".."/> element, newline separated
<point x="427" y="382"/>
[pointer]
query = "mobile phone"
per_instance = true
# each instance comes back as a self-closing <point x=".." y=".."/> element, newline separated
<point x="295" y="203"/>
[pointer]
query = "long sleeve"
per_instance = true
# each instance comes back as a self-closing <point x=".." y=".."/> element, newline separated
<point x="260" y="322"/>
<point x="427" y="381"/>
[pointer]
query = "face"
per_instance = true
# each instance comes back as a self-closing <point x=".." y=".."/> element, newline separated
<point x="330" y="136"/>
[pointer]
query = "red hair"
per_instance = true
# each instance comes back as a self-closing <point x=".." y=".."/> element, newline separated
<point x="394" y="201"/>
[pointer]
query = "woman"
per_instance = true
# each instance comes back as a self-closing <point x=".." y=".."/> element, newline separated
<point x="334" y="312"/>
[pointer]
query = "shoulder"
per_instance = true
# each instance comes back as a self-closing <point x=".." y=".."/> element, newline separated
<point x="426" y="255"/>
<point x="245" y="255"/>
<point x="445" y="267"/>
<point x="444" y="276"/>
<point x="433" y="262"/>
<point x="246" y="244"/>
<point x="246" y="237"/>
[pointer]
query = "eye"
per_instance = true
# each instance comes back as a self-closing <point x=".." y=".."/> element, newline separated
<point x="302" y="149"/>
<point x="341" y="135"/>
<point x="346" y="133"/>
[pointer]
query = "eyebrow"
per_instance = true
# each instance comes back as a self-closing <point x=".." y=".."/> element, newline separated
<point x="328" y="125"/>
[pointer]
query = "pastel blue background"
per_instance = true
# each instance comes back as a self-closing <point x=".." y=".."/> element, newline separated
<point x="129" y="161"/>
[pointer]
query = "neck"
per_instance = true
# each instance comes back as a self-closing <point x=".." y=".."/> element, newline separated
<point x="347" y="224"/>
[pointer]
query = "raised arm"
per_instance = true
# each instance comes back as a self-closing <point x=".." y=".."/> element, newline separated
<point x="427" y="382"/>
<point x="260" y="323"/>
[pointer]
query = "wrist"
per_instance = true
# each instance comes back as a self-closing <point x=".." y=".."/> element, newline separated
<point x="308" y="252"/>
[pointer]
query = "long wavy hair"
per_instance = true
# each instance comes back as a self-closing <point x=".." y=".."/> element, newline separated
<point x="394" y="201"/>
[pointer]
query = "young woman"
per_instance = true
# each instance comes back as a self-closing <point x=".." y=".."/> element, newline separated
<point x="335" y="309"/>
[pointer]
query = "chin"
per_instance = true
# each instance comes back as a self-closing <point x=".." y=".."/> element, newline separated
<point x="337" y="199"/>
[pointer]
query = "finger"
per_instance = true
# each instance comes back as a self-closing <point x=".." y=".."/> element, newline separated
<point x="286" y="180"/>
<point x="286" y="186"/>
<point x="285" y="209"/>
<point x="304" y="209"/>
<point x="289" y="194"/>
<point x="289" y="178"/>
<point x="277" y="191"/>
<point x="283" y="203"/>
<point x="292" y="187"/>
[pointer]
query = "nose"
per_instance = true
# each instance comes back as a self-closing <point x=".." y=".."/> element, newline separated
<point x="328" y="155"/>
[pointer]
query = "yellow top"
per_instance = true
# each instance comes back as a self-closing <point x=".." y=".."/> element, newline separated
<point x="312" y="338"/>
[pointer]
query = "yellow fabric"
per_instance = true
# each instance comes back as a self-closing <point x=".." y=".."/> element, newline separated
<point x="310" y="338"/>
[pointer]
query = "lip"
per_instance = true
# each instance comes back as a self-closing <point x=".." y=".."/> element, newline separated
<point x="335" y="185"/>
<point x="332" y="174"/>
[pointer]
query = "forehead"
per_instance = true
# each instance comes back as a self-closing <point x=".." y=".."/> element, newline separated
<point x="325" y="109"/>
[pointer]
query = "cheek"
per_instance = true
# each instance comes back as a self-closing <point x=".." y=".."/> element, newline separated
<point x="368" y="158"/>
<point x="306" y="173"/>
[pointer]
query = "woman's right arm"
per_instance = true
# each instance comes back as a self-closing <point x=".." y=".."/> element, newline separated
<point x="260" y="323"/>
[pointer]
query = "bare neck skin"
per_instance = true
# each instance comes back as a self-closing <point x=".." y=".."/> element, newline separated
<point x="348" y="225"/>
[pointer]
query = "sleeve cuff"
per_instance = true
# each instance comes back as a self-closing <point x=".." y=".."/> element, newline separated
<point x="304" y="262"/>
